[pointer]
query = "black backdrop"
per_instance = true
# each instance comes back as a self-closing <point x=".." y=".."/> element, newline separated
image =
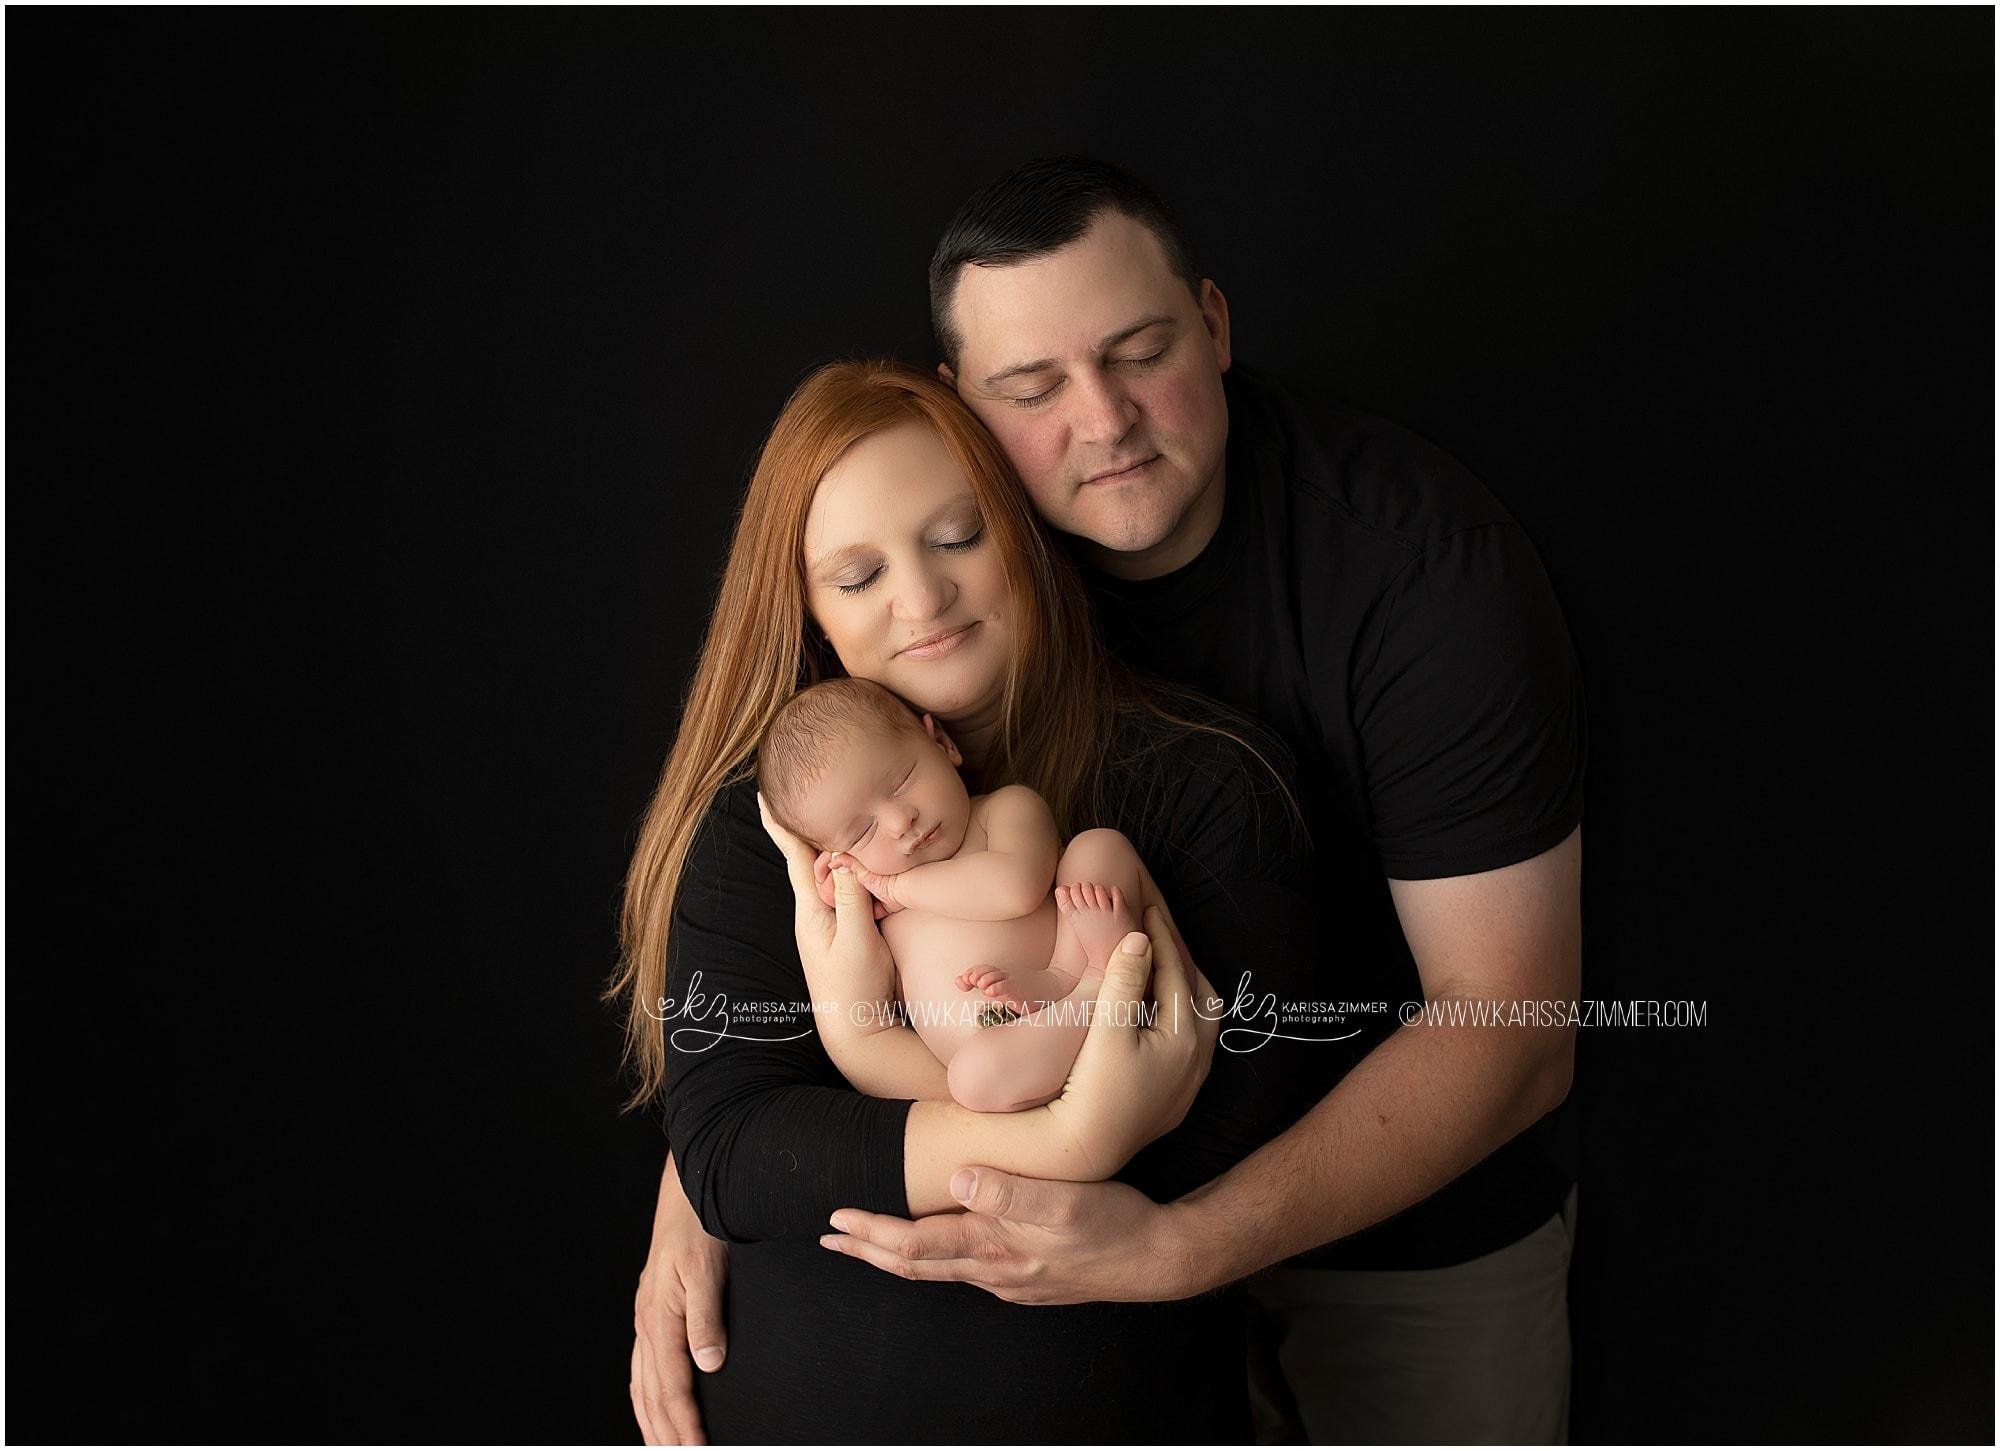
<point x="380" y="385"/>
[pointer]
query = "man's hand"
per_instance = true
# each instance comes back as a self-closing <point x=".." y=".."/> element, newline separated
<point x="677" y="1320"/>
<point x="1032" y="1241"/>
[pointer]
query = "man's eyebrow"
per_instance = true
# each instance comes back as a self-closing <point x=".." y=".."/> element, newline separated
<point x="1042" y="365"/>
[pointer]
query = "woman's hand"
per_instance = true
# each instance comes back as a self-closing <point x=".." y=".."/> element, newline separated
<point x="881" y="887"/>
<point x="844" y="956"/>
<point x="1141" y="1063"/>
<point x="823" y="881"/>
<point x="677" y="1317"/>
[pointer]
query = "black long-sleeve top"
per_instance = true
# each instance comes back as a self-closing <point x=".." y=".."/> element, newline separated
<point x="770" y="1140"/>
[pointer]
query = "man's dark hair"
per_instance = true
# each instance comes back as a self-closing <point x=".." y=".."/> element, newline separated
<point x="1035" y="209"/>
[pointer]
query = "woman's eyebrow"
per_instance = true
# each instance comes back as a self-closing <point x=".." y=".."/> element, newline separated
<point x="956" y="501"/>
<point x="834" y="557"/>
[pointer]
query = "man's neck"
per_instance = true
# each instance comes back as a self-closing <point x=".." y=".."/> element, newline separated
<point x="1182" y="546"/>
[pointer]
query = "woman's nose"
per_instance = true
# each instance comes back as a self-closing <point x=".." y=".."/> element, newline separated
<point x="925" y="595"/>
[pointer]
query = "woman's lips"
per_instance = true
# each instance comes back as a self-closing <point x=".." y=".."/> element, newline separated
<point x="938" y="646"/>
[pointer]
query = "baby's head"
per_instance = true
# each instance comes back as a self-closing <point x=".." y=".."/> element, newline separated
<point x="847" y="767"/>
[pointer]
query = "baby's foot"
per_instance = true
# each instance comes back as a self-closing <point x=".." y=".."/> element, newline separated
<point x="1016" y="991"/>
<point x="1099" y="917"/>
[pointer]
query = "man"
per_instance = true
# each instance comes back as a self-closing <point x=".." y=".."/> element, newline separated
<point x="1362" y="593"/>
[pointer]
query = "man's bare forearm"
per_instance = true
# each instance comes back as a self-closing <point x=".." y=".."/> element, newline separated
<point x="1425" y="1106"/>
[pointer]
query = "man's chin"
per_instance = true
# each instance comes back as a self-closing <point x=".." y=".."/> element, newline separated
<point x="1119" y="532"/>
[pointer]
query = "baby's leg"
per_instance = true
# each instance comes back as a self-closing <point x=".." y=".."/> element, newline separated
<point x="1100" y="893"/>
<point x="1101" y="890"/>
<point x="1022" y="1064"/>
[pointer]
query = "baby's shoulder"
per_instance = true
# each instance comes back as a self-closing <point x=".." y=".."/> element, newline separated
<point x="1008" y="801"/>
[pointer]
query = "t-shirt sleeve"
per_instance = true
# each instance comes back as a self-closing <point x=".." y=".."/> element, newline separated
<point x="768" y="1138"/>
<point x="1470" y="712"/>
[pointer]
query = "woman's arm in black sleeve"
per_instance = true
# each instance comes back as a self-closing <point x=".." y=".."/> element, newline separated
<point x="768" y="1138"/>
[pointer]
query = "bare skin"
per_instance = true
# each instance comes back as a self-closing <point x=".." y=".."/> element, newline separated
<point x="995" y="973"/>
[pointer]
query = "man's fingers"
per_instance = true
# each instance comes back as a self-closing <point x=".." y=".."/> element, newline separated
<point x="908" y="1269"/>
<point x="667" y="1380"/>
<point x="1015" y="1197"/>
<point x="642" y="1396"/>
<point x="934" y="1237"/>
<point x="707" y="1340"/>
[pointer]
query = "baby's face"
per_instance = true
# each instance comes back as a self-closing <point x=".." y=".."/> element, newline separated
<point x="894" y="801"/>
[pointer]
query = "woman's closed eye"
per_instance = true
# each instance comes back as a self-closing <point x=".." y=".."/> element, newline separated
<point x="953" y="545"/>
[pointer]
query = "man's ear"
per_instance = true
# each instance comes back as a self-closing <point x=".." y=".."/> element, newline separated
<point x="1215" y="317"/>
<point x="937" y="733"/>
<point x="950" y="378"/>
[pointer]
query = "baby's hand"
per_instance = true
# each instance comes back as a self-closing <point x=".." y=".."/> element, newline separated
<point x="881" y="888"/>
<point x="998" y="983"/>
<point x="823" y="880"/>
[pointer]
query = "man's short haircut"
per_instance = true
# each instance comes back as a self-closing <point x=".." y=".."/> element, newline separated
<point x="812" y="731"/>
<point x="1038" y="208"/>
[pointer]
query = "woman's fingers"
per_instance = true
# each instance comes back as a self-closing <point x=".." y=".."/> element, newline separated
<point x="1170" y="977"/>
<point x="798" y="863"/>
<point x="853" y="908"/>
<point x="1123" y="990"/>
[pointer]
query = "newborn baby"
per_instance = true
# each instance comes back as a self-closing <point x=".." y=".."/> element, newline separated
<point x="995" y="972"/>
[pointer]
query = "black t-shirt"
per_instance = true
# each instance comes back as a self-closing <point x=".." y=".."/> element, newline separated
<point x="770" y="1140"/>
<point x="1367" y="597"/>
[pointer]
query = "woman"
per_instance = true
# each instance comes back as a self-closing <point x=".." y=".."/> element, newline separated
<point x="884" y="536"/>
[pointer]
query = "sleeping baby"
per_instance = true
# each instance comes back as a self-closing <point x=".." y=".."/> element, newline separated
<point x="995" y="972"/>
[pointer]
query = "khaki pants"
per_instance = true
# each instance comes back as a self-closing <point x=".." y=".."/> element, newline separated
<point x="1476" y="1353"/>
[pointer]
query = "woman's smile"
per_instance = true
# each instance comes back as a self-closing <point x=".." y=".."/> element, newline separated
<point x="935" y="647"/>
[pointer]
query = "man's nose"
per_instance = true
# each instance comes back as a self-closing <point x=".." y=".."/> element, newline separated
<point x="1104" y="412"/>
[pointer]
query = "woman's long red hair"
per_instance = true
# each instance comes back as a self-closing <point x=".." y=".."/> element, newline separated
<point x="1061" y="691"/>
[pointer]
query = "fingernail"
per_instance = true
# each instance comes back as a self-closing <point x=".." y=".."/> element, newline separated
<point x="826" y="1242"/>
<point x="708" y="1357"/>
<point x="963" y="1183"/>
<point x="838" y="1223"/>
<point x="1134" y="944"/>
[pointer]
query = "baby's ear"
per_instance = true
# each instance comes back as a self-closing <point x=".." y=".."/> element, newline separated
<point x="937" y="733"/>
